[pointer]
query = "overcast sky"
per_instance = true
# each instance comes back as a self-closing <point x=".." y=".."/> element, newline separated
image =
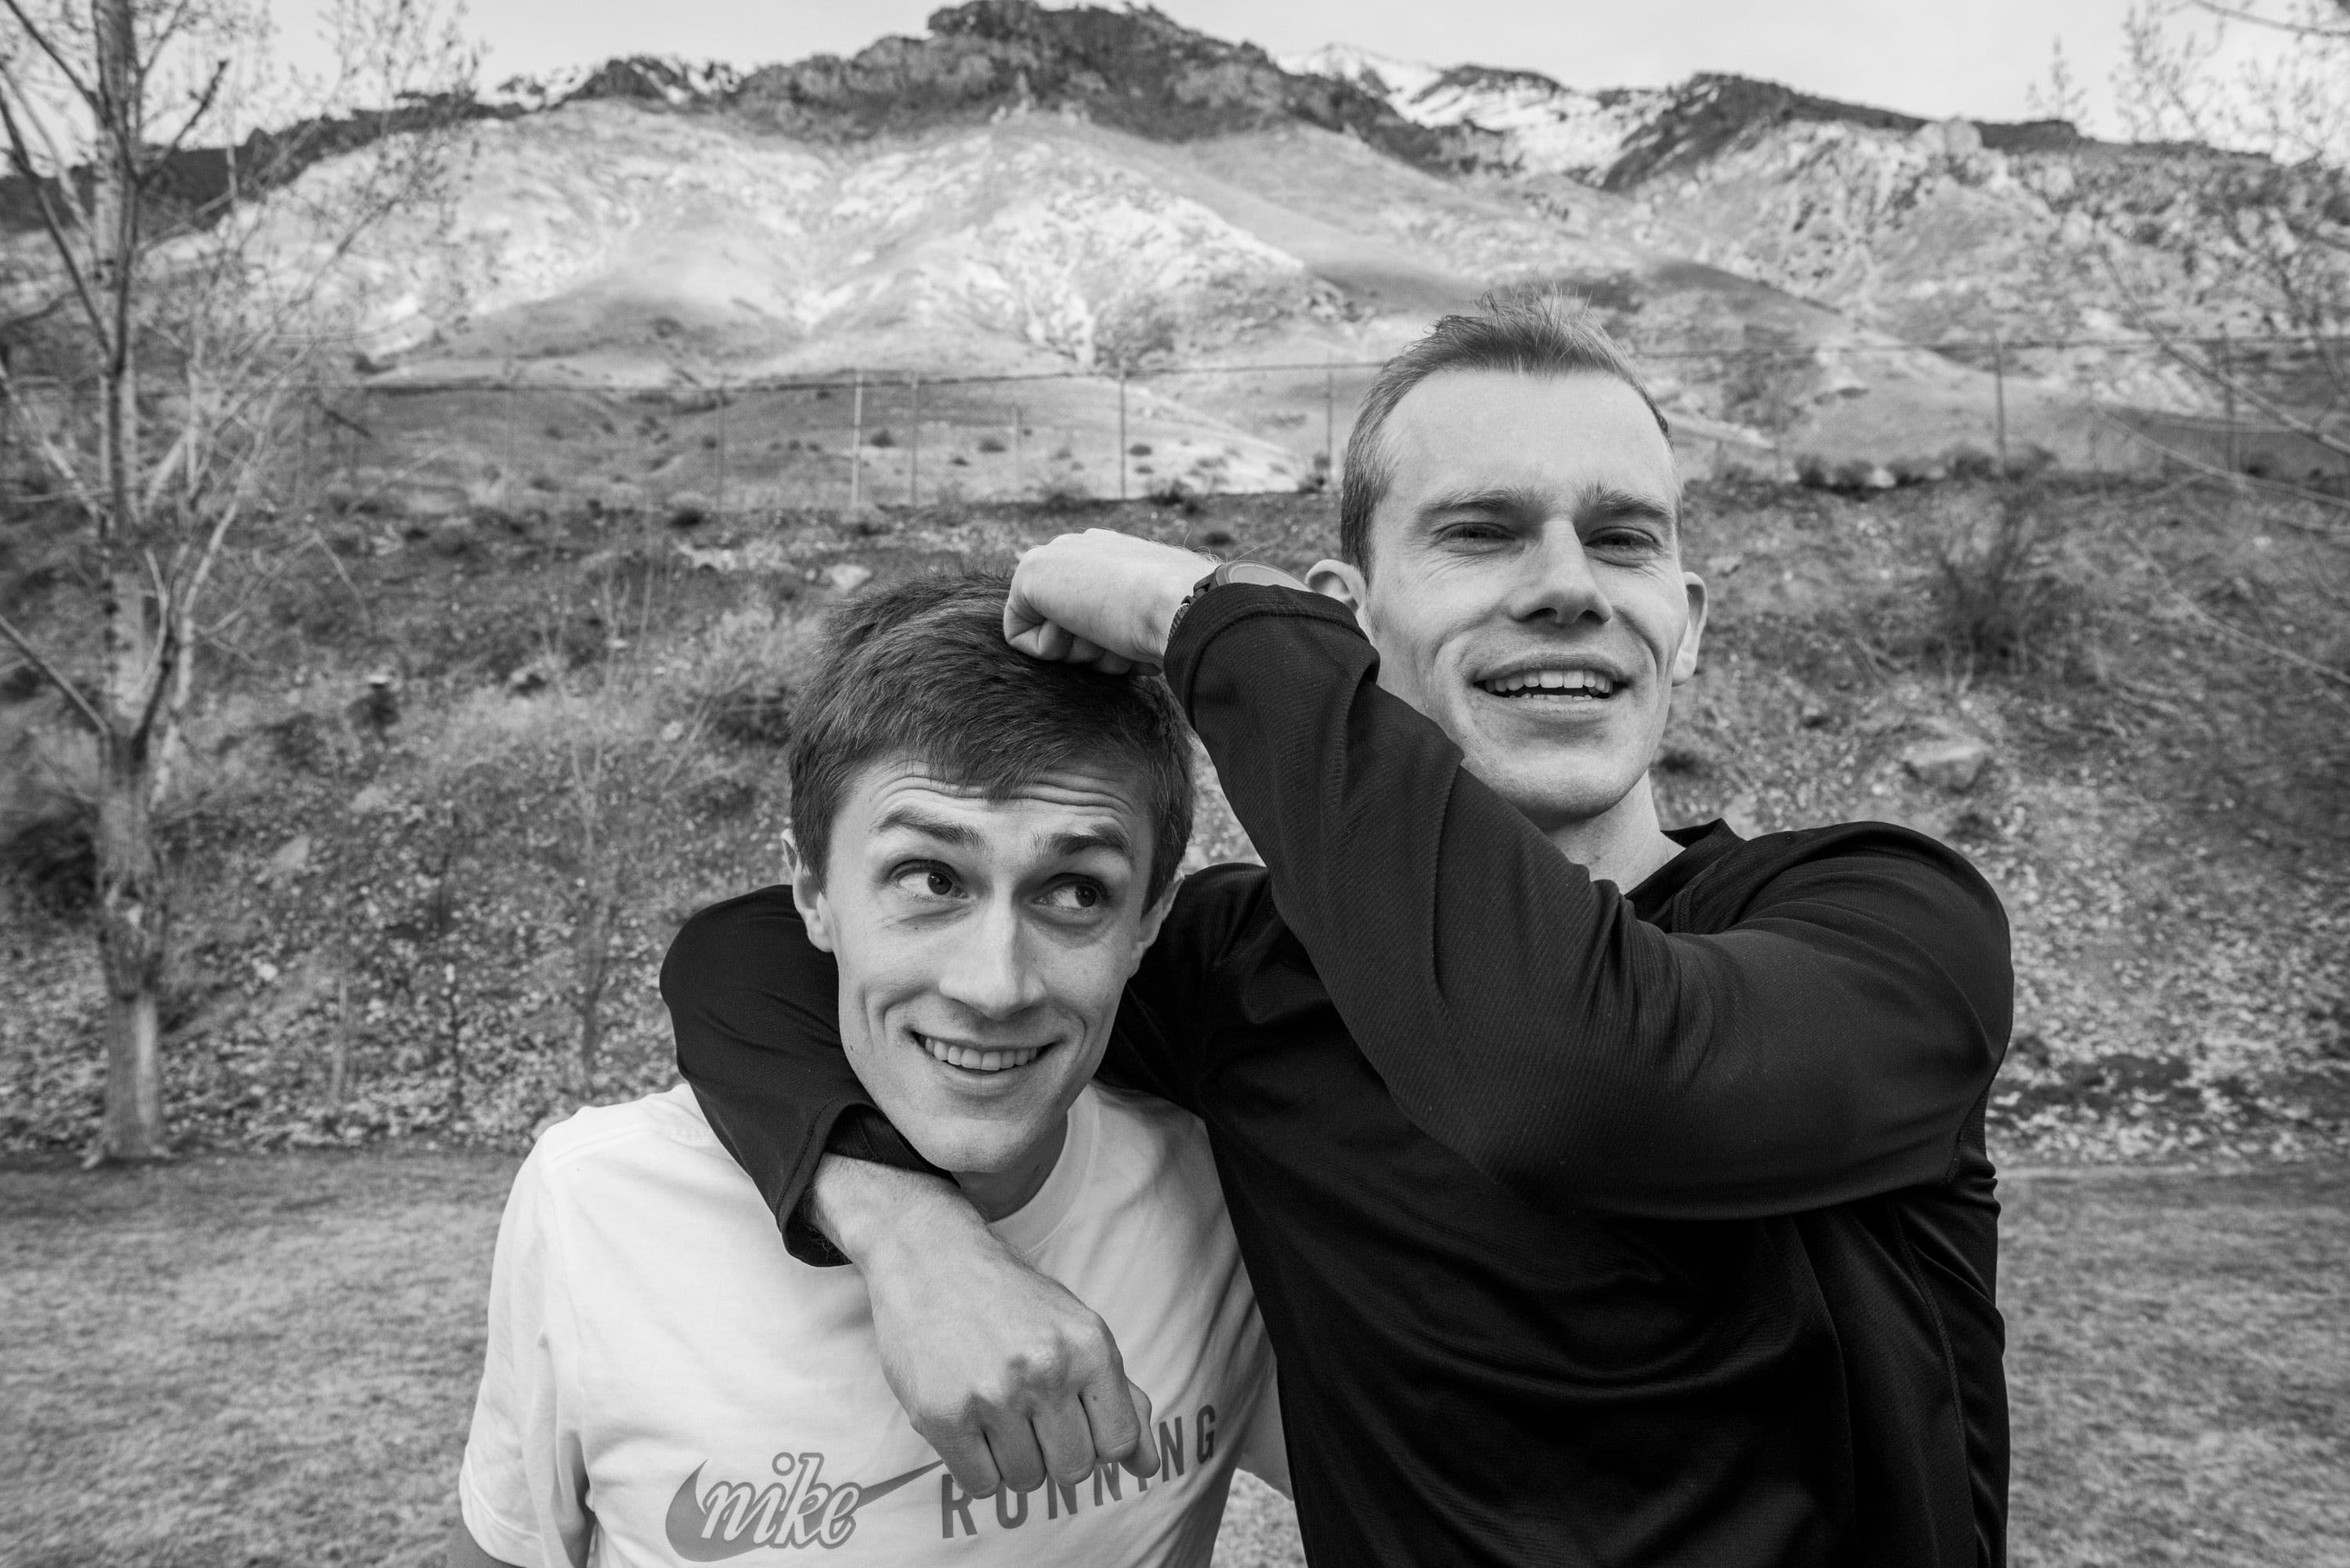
<point x="1973" y="57"/>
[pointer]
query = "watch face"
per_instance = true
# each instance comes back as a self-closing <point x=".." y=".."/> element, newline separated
<point x="1257" y="574"/>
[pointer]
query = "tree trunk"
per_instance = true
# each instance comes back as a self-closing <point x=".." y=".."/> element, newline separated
<point x="130" y="913"/>
<point x="131" y="936"/>
<point x="592" y="950"/>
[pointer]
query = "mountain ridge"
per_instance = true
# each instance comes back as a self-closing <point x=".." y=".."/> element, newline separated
<point x="1107" y="193"/>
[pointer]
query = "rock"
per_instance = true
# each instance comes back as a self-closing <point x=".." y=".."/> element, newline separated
<point x="848" y="576"/>
<point x="371" y="799"/>
<point x="1951" y="138"/>
<point x="377" y="710"/>
<point x="1953" y="765"/>
<point x="289" y="861"/>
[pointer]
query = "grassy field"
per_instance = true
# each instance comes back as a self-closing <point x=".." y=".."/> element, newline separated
<point x="270" y="1360"/>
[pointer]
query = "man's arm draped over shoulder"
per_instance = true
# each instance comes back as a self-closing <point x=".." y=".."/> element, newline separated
<point x="755" y="1009"/>
<point x="1829" y="1046"/>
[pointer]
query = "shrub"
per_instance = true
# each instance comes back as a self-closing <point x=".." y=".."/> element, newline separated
<point x="881" y="438"/>
<point x="1998" y="601"/>
<point x="754" y="711"/>
<point x="990" y="444"/>
<point x="1139" y="449"/>
<point x="1065" y="495"/>
<point x="1973" y="462"/>
<point x="52" y="862"/>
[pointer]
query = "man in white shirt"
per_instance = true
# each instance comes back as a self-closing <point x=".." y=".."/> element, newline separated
<point x="987" y="845"/>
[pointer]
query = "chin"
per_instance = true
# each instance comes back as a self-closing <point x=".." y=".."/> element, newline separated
<point x="1561" y="795"/>
<point x="974" y="1151"/>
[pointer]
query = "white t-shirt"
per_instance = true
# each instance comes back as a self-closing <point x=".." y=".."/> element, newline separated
<point x="665" y="1383"/>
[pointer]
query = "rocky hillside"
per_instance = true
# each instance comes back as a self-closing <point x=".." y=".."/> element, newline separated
<point x="1024" y="192"/>
<point x="2128" y="715"/>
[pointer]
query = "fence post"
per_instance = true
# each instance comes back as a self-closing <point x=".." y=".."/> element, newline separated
<point x="1999" y="393"/>
<point x="1121" y="432"/>
<point x="1016" y="478"/>
<point x="1329" y="425"/>
<point x="721" y="446"/>
<point x="914" y="450"/>
<point x="505" y="479"/>
<point x="2228" y="390"/>
<point x="857" y="445"/>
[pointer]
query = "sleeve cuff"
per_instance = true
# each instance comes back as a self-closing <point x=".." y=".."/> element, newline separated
<point x="858" y="1132"/>
<point x="492" y="1531"/>
<point x="1218" y="610"/>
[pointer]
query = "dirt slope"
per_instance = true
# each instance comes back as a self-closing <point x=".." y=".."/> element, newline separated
<point x="393" y="875"/>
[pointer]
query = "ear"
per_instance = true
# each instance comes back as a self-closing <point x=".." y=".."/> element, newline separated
<point x="808" y="893"/>
<point x="1685" y="658"/>
<point x="1156" y="916"/>
<point x="1343" y="581"/>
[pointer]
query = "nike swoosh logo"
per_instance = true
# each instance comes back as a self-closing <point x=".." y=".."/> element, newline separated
<point x="865" y="1494"/>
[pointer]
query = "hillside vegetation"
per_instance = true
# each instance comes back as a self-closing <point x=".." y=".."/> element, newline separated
<point x="454" y="783"/>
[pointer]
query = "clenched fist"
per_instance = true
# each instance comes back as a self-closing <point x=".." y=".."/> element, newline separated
<point x="1100" y="597"/>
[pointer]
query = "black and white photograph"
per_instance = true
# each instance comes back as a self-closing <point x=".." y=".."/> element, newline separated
<point x="1036" y="784"/>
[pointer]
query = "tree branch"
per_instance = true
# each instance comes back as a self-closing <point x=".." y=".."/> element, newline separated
<point x="57" y="464"/>
<point x="65" y="67"/>
<point x="20" y="154"/>
<point x="156" y="163"/>
<point x="2235" y="12"/>
<point x="50" y="674"/>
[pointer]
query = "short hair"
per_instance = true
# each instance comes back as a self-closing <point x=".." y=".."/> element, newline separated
<point x="1533" y="329"/>
<point x="922" y="669"/>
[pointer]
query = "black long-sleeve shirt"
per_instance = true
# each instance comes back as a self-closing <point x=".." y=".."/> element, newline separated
<point x="1589" y="1228"/>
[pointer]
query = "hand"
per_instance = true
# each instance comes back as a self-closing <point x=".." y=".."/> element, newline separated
<point x="1099" y="598"/>
<point x="1002" y="1371"/>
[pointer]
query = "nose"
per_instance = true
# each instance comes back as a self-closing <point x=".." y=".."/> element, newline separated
<point x="991" y="971"/>
<point x="1557" y="582"/>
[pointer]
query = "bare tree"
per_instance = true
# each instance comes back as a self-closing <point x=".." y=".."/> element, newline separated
<point x="627" y="743"/>
<point x="184" y="319"/>
<point x="2240" y="267"/>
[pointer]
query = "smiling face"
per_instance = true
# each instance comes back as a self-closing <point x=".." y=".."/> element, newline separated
<point x="984" y="945"/>
<point x="1524" y="588"/>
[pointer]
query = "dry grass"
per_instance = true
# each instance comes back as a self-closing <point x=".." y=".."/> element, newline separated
<point x="266" y="1360"/>
<point x="2178" y="1356"/>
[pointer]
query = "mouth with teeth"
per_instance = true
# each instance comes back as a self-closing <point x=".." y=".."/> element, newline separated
<point x="975" y="1059"/>
<point x="1562" y="682"/>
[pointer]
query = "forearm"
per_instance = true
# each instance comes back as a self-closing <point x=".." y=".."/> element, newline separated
<point x="754" y="1008"/>
<point x="463" y="1552"/>
<point x="1521" y="1012"/>
<point x="879" y="1216"/>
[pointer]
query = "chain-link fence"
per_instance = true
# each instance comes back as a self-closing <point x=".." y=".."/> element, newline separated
<point x="1856" y="414"/>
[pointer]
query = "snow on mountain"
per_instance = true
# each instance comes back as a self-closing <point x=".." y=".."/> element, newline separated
<point x="1546" y="128"/>
<point x="1396" y="80"/>
<point x="673" y="80"/>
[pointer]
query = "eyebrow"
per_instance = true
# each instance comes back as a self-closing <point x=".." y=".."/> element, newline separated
<point x="1608" y="500"/>
<point x="960" y="835"/>
<point x="1108" y="835"/>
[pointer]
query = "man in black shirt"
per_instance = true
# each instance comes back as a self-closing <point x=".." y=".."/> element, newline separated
<point x="1590" y="1225"/>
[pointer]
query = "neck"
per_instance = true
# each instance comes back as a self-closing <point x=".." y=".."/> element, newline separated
<point x="1624" y="844"/>
<point x="995" y="1193"/>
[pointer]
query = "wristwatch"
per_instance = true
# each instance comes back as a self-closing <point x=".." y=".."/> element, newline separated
<point x="1256" y="573"/>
